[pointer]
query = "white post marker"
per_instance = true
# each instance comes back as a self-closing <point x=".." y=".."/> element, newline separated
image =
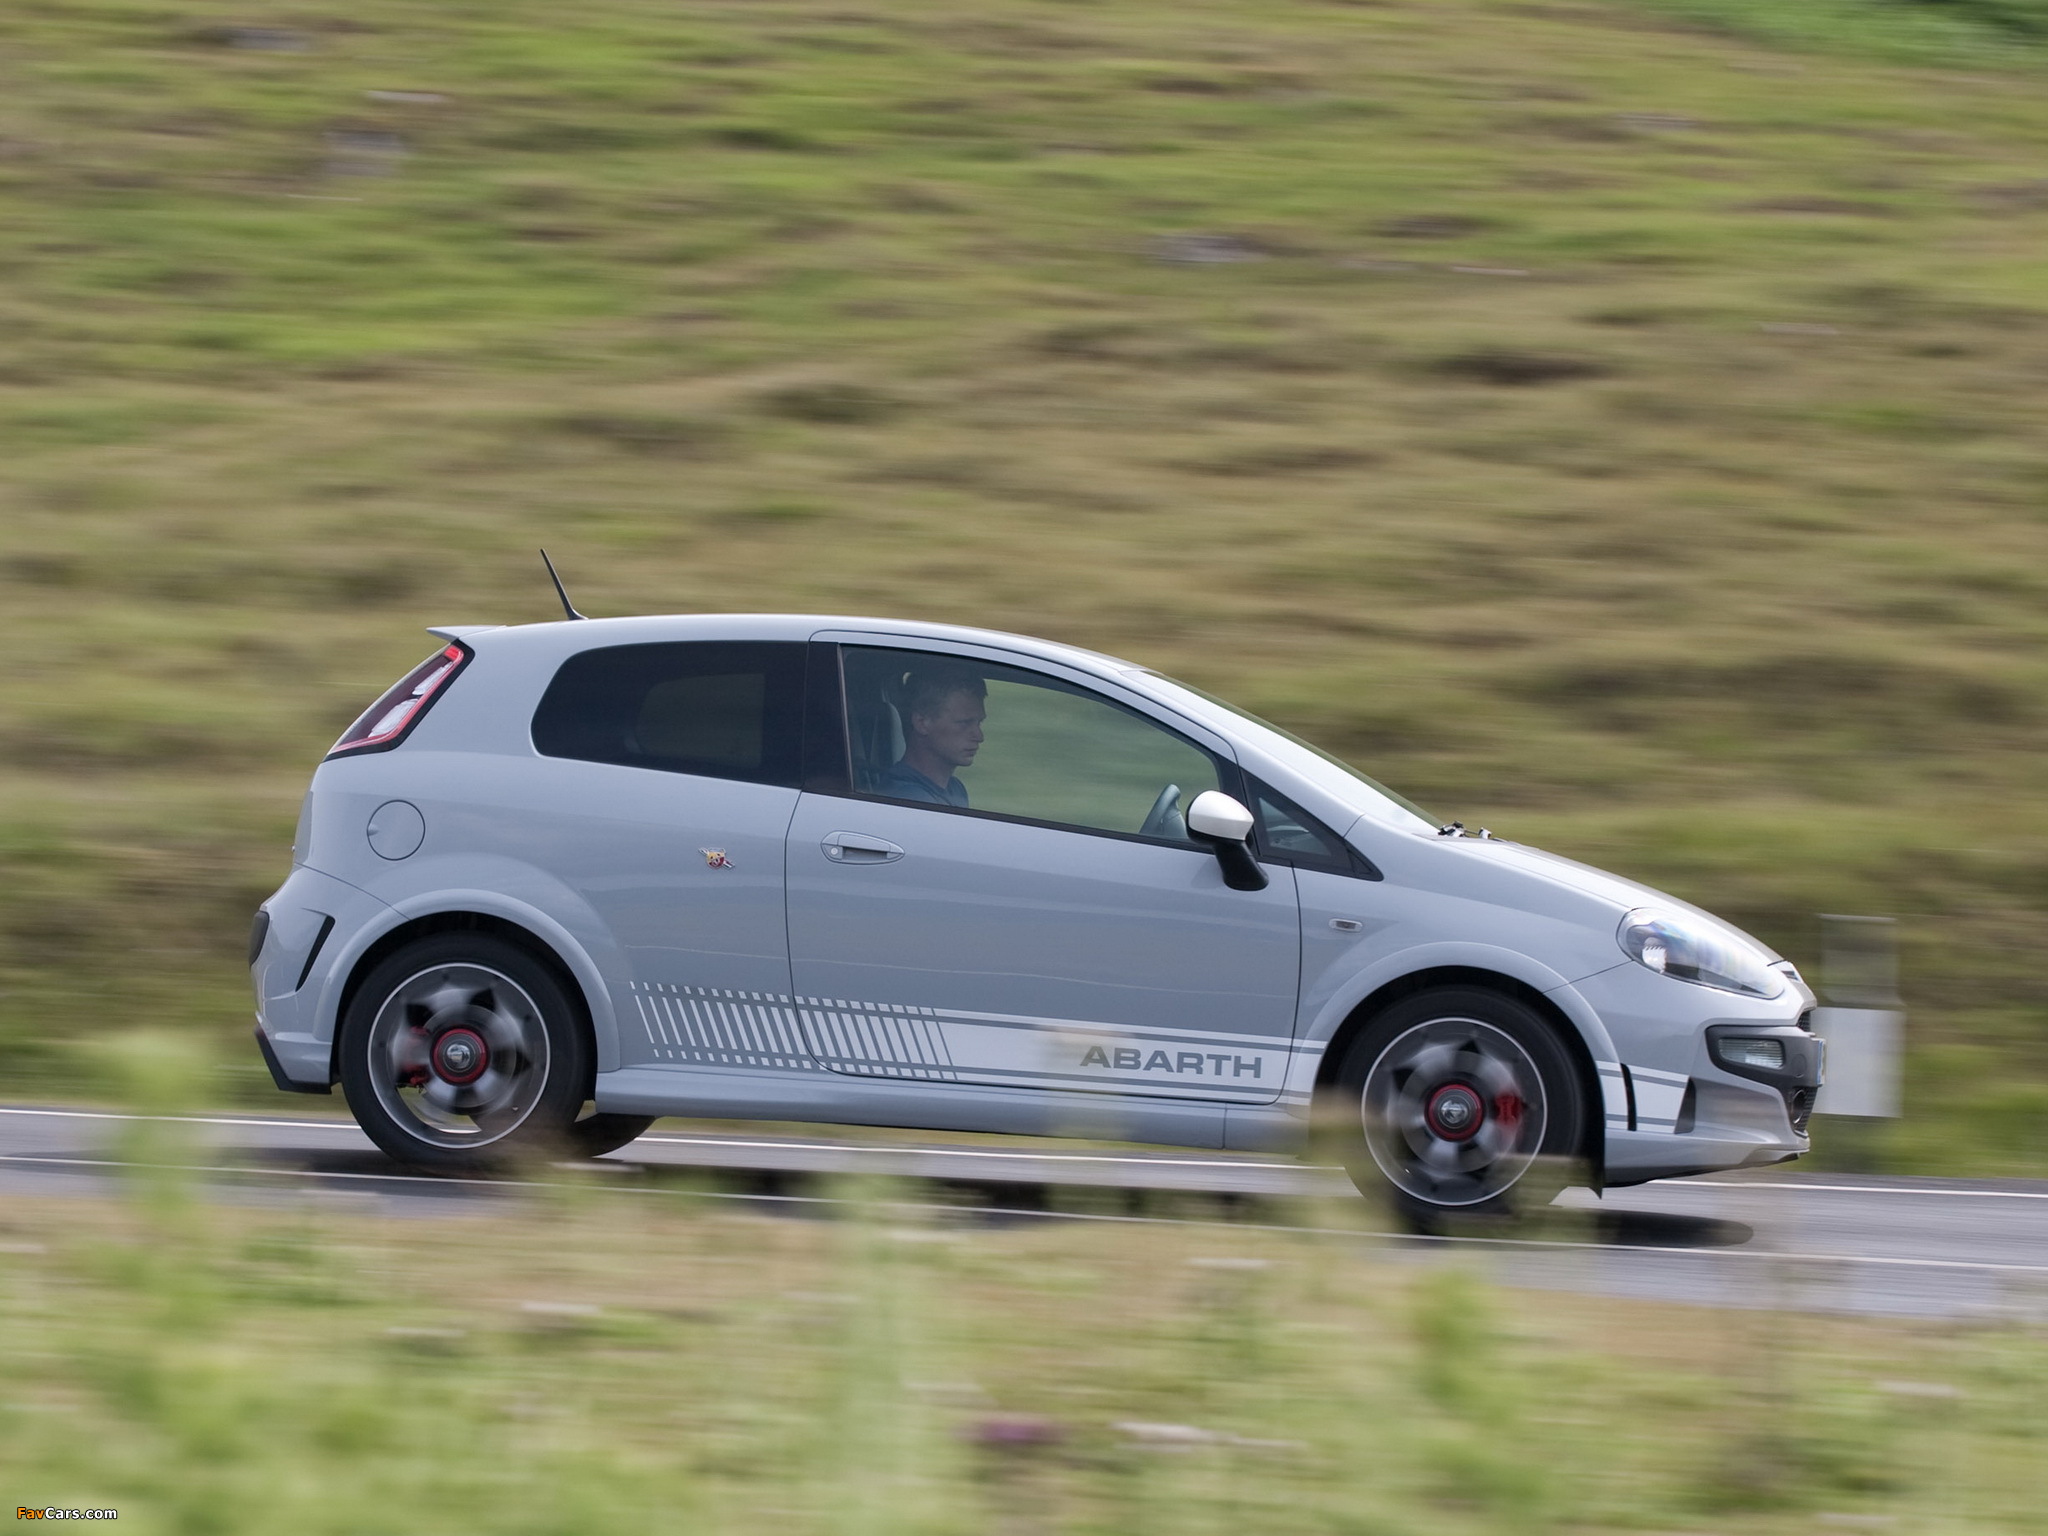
<point x="1864" y="1023"/>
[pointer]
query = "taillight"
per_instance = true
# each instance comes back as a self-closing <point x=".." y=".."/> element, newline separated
<point x="385" y="722"/>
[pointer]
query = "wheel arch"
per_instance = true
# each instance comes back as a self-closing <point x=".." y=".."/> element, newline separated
<point x="430" y="924"/>
<point x="1592" y="1129"/>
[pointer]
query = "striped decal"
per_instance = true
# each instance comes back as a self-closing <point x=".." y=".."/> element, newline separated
<point x="1615" y="1097"/>
<point x="867" y="1039"/>
<point x="878" y="1039"/>
<point x="718" y="1027"/>
<point x="1658" y="1097"/>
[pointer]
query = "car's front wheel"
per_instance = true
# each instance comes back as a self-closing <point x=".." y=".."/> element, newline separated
<point x="463" y="1053"/>
<point x="1466" y="1104"/>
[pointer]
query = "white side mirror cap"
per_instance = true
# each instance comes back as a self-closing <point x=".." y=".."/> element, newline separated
<point x="1215" y="814"/>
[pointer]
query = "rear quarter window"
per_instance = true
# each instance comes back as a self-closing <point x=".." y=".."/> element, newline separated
<point x="719" y="709"/>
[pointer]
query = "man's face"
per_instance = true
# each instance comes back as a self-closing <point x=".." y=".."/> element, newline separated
<point x="952" y="733"/>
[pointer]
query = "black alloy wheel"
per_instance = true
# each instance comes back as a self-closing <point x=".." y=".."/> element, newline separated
<point x="1461" y="1104"/>
<point x="462" y="1053"/>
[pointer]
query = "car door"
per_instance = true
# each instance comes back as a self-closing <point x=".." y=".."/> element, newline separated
<point x="1037" y="917"/>
<point x="669" y="772"/>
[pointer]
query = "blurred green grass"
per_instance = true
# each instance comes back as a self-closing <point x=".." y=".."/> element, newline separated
<point x="1614" y="430"/>
<point x="1950" y="32"/>
<point x="624" y="1359"/>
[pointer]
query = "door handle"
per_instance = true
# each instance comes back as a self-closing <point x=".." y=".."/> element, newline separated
<point x="859" y="848"/>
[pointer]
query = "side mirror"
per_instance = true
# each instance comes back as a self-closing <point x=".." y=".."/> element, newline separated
<point x="1223" y="825"/>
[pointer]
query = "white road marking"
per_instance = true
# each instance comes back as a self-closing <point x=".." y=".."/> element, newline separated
<point x="287" y="1173"/>
<point x="1058" y="1157"/>
<point x="724" y="1141"/>
<point x="104" y="1114"/>
<point x="1790" y="1256"/>
<point x="1854" y="1189"/>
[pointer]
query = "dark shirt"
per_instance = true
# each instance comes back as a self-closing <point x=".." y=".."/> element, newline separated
<point x="903" y="782"/>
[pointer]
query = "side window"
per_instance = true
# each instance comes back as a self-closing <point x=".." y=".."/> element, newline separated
<point x="722" y="709"/>
<point x="1289" y="833"/>
<point x="947" y="731"/>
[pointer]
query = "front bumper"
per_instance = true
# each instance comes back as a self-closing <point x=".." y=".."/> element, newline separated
<point x="1673" y="1103"/>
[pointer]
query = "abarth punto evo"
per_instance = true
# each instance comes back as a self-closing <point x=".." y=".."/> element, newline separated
<point x="567" y="877"/>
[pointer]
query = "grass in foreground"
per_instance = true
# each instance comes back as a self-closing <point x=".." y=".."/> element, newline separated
<point x="1613" y="433"/>
<point x="624" y="1360"/>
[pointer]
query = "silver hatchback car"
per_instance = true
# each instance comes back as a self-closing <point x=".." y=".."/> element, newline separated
<point x="567" y="877"/>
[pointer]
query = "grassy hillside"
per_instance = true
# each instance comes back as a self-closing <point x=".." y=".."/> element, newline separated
<point x="1601" y="427"/>
<point x="1950" y="32"/>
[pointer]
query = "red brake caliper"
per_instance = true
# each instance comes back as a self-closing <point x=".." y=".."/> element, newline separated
<point x="1507" y="1109"/>
<point x="415" y="1077"/>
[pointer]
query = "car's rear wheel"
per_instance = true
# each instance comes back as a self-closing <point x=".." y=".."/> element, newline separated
<point x="463" y="1053"/>
<point x="1467" y="1106"/>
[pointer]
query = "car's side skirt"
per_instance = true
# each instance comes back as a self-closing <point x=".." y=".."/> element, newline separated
<point x="829" y="1098"/>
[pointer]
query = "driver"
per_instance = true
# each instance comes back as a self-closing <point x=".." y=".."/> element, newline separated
<point x="943" y="705"/>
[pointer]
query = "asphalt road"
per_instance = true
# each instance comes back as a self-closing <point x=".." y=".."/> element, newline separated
<point x="1887" y="1246"/>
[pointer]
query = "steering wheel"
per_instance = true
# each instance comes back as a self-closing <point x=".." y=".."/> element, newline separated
<point x="1165" y="819"/>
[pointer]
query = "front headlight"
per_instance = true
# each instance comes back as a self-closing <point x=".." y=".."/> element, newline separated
<point x="1694" y="951"/>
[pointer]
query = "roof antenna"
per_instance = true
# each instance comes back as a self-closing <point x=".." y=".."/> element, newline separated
<point x="560" y="591"/>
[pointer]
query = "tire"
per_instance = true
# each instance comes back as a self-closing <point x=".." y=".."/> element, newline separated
<point x="462" y="1053"/>
<point x="595" y="1135"/>
<point x="1462" y="1105"/>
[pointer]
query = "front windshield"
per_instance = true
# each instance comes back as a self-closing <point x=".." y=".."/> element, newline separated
<point x="1396" y="803"/>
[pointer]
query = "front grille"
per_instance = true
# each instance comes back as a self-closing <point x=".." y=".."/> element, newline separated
<point x="1805" y="1021"/>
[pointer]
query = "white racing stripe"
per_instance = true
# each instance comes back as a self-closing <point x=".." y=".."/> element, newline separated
<point x="1975" y="1265"/>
